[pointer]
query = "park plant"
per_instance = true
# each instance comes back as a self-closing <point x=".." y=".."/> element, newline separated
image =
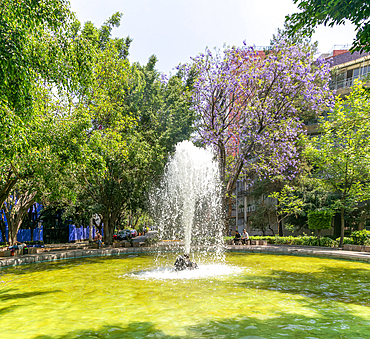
<point x="38" y="52"/>
<point x="320" y="220"/>
<point x="137" y="116"/>
<point x="332" y="12"/>
<point x="340" y="155"/>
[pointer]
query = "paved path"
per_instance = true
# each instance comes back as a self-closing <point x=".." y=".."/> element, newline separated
<point x="72" y="251"/>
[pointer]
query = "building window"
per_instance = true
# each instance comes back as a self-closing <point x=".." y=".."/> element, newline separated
<point x="356" y="73"/>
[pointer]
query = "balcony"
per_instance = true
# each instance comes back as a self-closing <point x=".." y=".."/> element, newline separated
<point x="343" y="83"/>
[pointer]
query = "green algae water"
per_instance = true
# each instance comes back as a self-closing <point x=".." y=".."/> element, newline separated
<point x="250" y="296"/>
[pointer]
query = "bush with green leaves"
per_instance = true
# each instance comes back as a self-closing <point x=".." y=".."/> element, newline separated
<point x="346" y="241"/>
<point x="320" y="220"/>
<point x="291" y="240"/>
<point x="360" y="237"/>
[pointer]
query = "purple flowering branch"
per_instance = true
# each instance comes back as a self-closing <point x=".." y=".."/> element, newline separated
<point x="251" y="109"/>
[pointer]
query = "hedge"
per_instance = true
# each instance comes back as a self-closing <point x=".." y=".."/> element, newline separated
<point x="357" y="238"/>
<point x="320" y="220"/>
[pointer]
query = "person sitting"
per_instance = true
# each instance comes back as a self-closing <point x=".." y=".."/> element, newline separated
<point x="98" y="239"/>
<point x="245" y="237"/>
<point x="17" y="246"/>
<point x="236" y="239"/>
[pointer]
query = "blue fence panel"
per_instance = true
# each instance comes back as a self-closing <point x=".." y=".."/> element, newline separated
<point x="72" y="233"/>
<point x="6" y="234"/>
<point x="25" y="234"/>
<point x="78" y="233"/>
<point x="38" y="234"/>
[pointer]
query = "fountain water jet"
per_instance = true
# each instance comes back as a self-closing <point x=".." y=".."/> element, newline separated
<point x="188" y="205"/>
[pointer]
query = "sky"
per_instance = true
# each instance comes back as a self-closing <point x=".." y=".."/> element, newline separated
<point x="175" y="30"/>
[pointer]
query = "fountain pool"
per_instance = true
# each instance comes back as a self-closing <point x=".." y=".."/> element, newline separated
<point x="249" y="296"/>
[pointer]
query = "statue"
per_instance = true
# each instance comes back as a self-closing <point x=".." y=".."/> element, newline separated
<point x="183" y="263"/>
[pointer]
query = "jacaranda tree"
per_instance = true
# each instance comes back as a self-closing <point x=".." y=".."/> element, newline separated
<point x="251" y="108"/>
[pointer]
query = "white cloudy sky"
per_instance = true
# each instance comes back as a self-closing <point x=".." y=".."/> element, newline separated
<point x="175" y="30"/>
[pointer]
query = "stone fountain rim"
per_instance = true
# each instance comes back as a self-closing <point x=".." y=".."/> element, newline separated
<point x="322" y="252"/>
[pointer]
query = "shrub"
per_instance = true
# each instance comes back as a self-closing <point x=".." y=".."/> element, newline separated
<point x="320" y="220"/>
<point x="300" y="240"/>
<point x="346" y="241"/>
<point x="360" y="237"/>
<point x="328" y="242"/>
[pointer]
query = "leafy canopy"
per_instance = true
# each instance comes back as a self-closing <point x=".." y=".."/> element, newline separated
<point x="330" y="13"/>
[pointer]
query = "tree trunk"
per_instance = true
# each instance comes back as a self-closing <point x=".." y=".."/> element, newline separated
<point x="108" y="234"/>
<point x="361" y="224"/>
<point x="15" y="211"/>
<point x="280" y="228"/>
<point x="319" y="233"/>
<point x="108" y="229"/>
<point x="136" y="221"/>
<point x="341" y="227"/>
<point x="91" y="229"/>
<point x="5" y="190"/>
<point x="14" y="227"/>
<point x="229" y="208"/>
<point x="2" y="227"/>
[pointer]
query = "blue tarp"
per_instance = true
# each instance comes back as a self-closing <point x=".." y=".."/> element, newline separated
<point x="75" y="234"/>
<point x="80" y="233"/>
<point x="25" y="234"/>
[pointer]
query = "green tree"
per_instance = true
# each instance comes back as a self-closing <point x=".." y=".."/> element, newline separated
<point x="22" y="23"/>
<point x="57" y="140"/>
<point x="333" y="12"/>
<point x="314" y="195"/>
<point x="38" y="51"/>
<point x="287" y="203"/>
<point x="340" y="155"/>
<point x="136" y="120"/>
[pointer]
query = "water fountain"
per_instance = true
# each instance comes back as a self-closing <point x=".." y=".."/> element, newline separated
<point x="188" y="204"/>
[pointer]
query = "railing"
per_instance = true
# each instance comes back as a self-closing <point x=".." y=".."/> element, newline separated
<point x="345" y="83"/>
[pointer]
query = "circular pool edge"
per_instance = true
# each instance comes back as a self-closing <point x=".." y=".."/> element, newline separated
<point x="311" y="251"/>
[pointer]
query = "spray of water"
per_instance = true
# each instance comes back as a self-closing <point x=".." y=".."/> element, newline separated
<point x="188" y="204"/>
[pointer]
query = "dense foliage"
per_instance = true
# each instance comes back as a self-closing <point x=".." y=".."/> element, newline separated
<point x="340" y="155"/>
<point x="333" y="12"/>
<point x="320" y="220"/>
<point x="87" y="132"/>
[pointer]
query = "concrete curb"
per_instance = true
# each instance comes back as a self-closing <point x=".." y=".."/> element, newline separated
<point x="269" y="249"/>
